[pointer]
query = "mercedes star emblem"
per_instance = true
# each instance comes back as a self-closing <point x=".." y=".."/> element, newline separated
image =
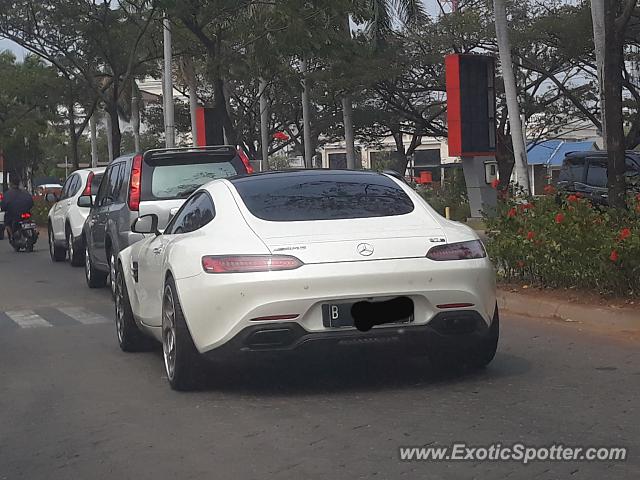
<point x="365" y="249"/>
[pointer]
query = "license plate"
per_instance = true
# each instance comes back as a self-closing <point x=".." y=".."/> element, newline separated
<point x="335" y="315"/>
<point x="28" y="226"/>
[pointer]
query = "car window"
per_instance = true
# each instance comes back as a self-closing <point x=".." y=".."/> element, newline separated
<point x="75" y="185"/>
<point x="120" y="193"/>
<point x="194" y="214"/>
<point x="102" y="191"/>
<point x="322" y="196"/>
<point x="597" y="173"/>
<point x="572" y="170"/>
<point x="172" y="176"/>
<point x="65" y="188"/>
<point x="632" y="168"/>
<point x="108" y="186"/>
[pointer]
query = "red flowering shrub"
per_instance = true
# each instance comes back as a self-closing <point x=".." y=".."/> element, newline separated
<point x="549" y="244"/>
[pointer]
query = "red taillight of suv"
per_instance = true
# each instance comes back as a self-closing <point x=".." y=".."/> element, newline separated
<point x="87" y="188"/>
<point x="135" y="184"/>
<point x="245" y="161"/>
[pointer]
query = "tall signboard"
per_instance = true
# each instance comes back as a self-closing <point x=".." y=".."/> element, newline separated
<point x="471" y="112"/>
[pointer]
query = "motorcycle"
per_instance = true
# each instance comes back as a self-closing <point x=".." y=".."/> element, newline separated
<point x="25" y="234"/>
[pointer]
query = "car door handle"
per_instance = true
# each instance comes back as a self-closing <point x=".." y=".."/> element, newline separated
<point x="158" y="250"/>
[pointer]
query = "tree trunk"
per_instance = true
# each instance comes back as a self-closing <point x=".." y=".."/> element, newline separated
<point x="94" y="139"/>
<point x="505" y="160"/>
<point x="597" y="17"/>
<point x="264" y="123"/>
<point x="190" y="76"/>
<point x="135" y="114"/>
<point x="306" y="118"/>
<point x="613" y="61"/>
<point x="504" y="46"/>
<point x="347" y="116"/>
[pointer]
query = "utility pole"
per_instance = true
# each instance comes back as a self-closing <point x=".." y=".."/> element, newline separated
<point x="169" y="125"/>
<point x="597" y="17"/>
<point x="347" y="116"/>
<point x="511" y="92"/>
<point x="264" y="123"/>
<point x="306" y="118"/>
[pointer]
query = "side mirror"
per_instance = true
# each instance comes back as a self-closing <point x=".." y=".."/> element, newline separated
<point x="85" y="201"/>
<point x="146" y="224"/>
<point x="51" y="197"/>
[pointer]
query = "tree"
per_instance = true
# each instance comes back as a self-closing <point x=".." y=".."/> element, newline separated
<point x="103" y="44"/>
<point x="616" y="18"/>
<point x="28" y="103"/>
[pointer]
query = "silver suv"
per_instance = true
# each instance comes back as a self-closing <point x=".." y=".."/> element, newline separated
<point x="157" y="181"/>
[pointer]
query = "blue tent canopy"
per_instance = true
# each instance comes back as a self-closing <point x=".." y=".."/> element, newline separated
<point x="552" y="152"/>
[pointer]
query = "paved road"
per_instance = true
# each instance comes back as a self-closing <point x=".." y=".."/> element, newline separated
<point x="72" y="406"/>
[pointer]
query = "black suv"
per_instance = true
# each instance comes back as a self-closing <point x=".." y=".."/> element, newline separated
<point x="586" y="173"/>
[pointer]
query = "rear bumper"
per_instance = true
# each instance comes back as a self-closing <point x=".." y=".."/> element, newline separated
<point x="414" y="339"/>
<point x="217" y="308"/>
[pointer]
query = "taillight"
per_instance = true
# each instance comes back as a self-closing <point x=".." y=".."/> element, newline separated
<point x="458" y="251"/>
<point x="245" y="161"/>
<point x="87" y="188"/>
<point x="134" y="184"/>
<point x="249" y="263"/>
<point x="25" y="216"/>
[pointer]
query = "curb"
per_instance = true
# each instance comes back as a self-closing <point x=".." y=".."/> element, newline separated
<point x="624" y="320"/>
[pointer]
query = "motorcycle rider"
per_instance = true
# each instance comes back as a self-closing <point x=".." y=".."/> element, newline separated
<point x="15" y="203"/>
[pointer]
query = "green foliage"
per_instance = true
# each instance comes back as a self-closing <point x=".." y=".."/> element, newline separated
<point x="40" y="211"/>
<point x="452" y="193"/>
<point x="567" y="243"/>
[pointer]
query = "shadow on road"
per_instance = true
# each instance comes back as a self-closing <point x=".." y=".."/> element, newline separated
<point x="310" y="374"/>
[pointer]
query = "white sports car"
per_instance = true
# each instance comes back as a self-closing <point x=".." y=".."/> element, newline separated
<point x="286" y="260"/>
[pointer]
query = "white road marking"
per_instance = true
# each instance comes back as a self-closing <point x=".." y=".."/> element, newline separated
<point x="27" y="319"/>
<point x="81" y="315"/>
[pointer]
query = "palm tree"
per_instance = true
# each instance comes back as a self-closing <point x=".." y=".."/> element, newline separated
<point x="378" y="17"/>
<point x="504" y="46"/>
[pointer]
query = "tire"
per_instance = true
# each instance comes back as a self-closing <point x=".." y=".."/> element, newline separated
<point x="448" y="359"/>
<point x="57" y="254"/>
<point x="75" y="250"/>
<point x="183" y="363"/>
<point x="130" y="338"/>
<point x="95" y="278"/>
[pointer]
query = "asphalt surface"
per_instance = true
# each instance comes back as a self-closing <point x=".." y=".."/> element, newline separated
<point x="73" y="406"/>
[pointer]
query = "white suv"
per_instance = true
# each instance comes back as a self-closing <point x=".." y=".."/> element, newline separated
<point x="66" y="218"/>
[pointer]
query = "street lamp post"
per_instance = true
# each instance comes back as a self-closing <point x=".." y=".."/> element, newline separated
<point x="169" y="125"/>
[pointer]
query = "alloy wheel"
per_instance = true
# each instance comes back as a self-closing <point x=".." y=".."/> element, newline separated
<point x="169" y="332"/>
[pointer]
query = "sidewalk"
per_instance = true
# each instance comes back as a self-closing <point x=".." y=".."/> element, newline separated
<point x="536" y="303"/>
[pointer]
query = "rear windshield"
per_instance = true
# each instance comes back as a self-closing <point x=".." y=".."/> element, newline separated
<point x="303" y="196"/>
<point x="180" y="176"/>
